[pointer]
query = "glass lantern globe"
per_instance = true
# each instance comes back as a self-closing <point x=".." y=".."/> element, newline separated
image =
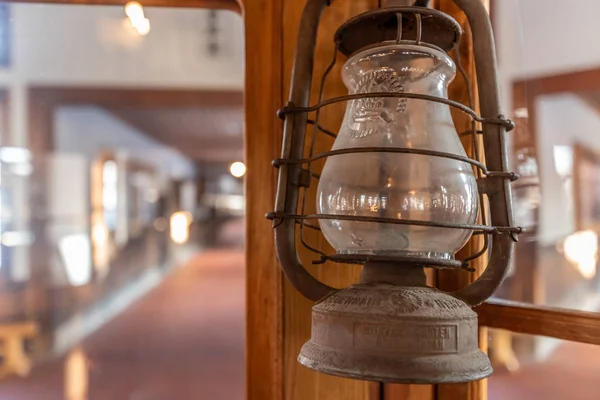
<point x="398" y="185"/>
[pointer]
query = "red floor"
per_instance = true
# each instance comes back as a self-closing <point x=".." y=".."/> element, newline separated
<point x="182" y="341"/>
<point x="185" y="341"/>
<point x="571" y="373"/>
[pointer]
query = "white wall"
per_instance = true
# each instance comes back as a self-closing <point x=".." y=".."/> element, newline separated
<point x="563" y="120"/>
<point x="68" y="176"/>
<point x="71" y="44"/>
<point x="542" y="37"/>
<point x="74" y="45"/>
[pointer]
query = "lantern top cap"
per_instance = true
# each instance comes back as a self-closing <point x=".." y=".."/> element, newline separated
<point x="372" y="27"/>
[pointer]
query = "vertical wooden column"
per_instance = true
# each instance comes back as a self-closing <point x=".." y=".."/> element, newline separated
<point x="262" y="143"/>
<point x="4" y="118"/>
<point x="526" y="283"/>
<point x="40" y="141"/>
<point x="299" y="382"/>
<point x="452" y="280"/>
<point x="278" y="319"/>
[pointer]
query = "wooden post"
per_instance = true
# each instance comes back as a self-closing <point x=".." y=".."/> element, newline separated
<point x="278" y="316"/>
<point x="452" y="280"/>
<point x="278" y="320"/>
<point x="15" y="360"/>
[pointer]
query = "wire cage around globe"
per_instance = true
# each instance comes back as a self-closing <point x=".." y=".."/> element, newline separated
<point x="409" y="26"/>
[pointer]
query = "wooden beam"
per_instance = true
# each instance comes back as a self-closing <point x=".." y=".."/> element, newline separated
<point x="264" y="292"/>
<point x="43" y="100"/>
<point x="232" y="5"/>
<point x="4" y="117"/>
<point x="577" y="81"/>
<point x="408" y="392"/>
<point x="185" y="132"/>
<point x="299" y="382"/>
<point x="578" y="326"/>
<point x="279" y="317"/>
<point x="139" y="97"/>
<point x="453" y="280"/>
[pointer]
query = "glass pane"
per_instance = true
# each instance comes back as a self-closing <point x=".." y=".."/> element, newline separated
<point x="535" y="367"/>
<point x="121" y="224"/>
<point x="555" y="149"/>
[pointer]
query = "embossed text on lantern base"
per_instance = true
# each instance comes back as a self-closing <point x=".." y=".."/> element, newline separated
<point x="395" y="329"/>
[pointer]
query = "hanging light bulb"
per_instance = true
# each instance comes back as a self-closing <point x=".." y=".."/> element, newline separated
<point x="134" y="10"/>
<point x="142" y="26"/>
<point x="237" y="169"/>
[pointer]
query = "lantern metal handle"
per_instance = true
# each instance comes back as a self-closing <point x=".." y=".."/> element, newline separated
<point x="500" y="199"/>
<point x="290" y="175"/>
<point x="293" y="145"/>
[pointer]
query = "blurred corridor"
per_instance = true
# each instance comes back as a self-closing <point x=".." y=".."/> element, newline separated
<point x="183" y="341"/>
<point x="119" y="131"/>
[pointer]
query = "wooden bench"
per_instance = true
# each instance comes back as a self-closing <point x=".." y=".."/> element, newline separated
<point x="12" y="339"/>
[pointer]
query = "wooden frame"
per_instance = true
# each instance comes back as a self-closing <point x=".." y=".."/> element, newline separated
<point x="264" y="285"/>
<point x="4" y="116"/>
<point x="584" y="156"/>
<point x="578" y="326"/>
<point x="269" y="66"/>
<point x="528" y="318"/>
<point x="232" y="5"/>
<point x="44" y="100"/>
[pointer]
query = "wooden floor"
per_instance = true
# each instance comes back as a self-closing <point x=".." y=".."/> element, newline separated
<point x="185" y="341"/>
<point x="572" y="372"/>
<point x="182" y="341"/>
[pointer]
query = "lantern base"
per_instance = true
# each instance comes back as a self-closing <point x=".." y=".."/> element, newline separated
<point x="421" y="370"/>
<point x="390" y="333"/>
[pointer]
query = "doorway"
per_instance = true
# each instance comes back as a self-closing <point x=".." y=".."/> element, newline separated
<point x="122" y="225"/>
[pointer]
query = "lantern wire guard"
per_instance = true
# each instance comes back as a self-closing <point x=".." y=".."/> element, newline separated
<point x="413" y="26"/>
<point x="302" y="168"/>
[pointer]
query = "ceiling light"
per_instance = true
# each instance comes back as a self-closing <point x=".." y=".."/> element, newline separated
<point x="237" y="169"/>
<point x="134" y="10"/>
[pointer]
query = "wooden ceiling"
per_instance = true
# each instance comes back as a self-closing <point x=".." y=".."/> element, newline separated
<point x="206" y="135"/>
<point x="205" y="125"/>
<point x="592" y="98"/>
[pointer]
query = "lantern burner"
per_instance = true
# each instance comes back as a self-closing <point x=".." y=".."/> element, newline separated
<point x="419" y="25"/>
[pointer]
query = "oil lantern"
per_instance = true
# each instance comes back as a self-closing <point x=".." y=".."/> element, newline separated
<point x="397" y="194"/>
